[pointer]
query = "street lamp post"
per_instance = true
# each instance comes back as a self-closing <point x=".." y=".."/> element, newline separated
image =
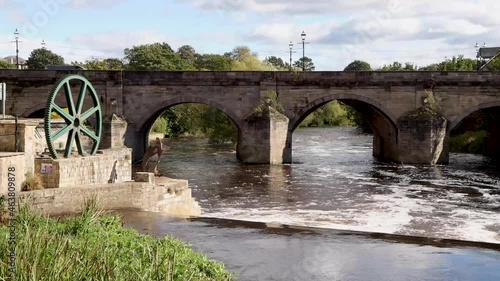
<point x="43" y="44"/>
<point x="303" y="35"/>
<point x="16" y="33"/>
<point x="291" y="47"/>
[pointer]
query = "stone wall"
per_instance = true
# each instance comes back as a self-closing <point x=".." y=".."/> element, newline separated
<point x="11" y="159"/>
<point x="156" y="195"/>
<point x="113" y="134"/>
<point x="19" y="140"/>
<point x="422" y="138"/>
<point x="107" y="166"/>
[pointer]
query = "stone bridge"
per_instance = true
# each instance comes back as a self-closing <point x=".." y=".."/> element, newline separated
<point x="393" y="102"/>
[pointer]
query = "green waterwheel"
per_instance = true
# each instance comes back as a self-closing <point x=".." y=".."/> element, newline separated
<point x="77" y="116"/>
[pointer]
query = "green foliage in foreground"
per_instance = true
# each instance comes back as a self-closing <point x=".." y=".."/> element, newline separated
<point x="95" y="247"/>
<point x="468" y="142"/>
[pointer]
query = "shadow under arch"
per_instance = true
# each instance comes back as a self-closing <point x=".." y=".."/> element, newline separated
<point x="491" y="145"/>
<point x="382" y="122"/>
<point x="455" y="122"/>
<point x="35" y="111"/>
<point x="147" y="123"/>
<point x="345" y="98"/>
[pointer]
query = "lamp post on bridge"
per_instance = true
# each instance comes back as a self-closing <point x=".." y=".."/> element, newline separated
<point x="291" y="47"/>
<point x="16" y="34"/>
<point x="303" y="35"/>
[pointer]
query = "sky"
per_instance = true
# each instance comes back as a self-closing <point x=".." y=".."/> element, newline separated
<point x="337" y="32"/>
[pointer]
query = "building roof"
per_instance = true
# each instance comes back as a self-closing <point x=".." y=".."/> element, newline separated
<point x="12" y="59"/>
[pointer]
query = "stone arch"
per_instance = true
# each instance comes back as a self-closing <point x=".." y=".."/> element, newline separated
<point x="308" y="109"/>
<point x="38" y="107"/>
<point x="456" y="121"/>
<point x="34" y="109"/>
<point x="383" y="122"/>
<point x="146" y="123"/>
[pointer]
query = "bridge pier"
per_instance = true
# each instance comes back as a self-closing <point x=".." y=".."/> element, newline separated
<point x="263" y="138"/>
<point x="422" y="138"/>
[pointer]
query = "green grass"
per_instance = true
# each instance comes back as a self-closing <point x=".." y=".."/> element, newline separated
<point x="94" y="246"/>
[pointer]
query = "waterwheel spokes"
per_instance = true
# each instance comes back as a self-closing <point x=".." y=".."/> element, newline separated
<point x="69" y="143"/>
<point x="89" y="133"/>
<point x="62" y="132"/>
<point x="88" y="113"/>
<point x="81" y="97"/>
<point x="65" y="115"/>
<point x="69" y="98"/>
<point x="79" y="145"/>
<point x="75" y="120"/>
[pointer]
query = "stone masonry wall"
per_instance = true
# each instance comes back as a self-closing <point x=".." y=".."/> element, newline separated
<point x="422" y="137"/>
<point x="10" y="159"/>
<point x="166" y="195"/>
<point x="25" y="140"/>
<point x="109" y="165"/>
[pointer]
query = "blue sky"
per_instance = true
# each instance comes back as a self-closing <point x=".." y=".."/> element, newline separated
<point x="379" y="32"/>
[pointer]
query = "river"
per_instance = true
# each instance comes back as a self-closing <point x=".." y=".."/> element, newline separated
<point x="336" y="213"/>
<point x="334" y="182"/>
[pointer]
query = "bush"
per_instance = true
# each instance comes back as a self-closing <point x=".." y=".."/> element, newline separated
<point x="32" y="182"/>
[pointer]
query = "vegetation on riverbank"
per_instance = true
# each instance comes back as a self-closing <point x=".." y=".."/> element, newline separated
<point x="94" y="246"/>
<point x="468" y="142"/>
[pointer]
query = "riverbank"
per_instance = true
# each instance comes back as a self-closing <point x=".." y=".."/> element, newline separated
<point x="94" y="246"/>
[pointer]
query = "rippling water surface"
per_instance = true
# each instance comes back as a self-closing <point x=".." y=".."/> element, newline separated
<point x="334" y="182"/>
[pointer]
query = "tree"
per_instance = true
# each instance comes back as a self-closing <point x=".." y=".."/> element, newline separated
<point x="494" y="65"/>
<point x="276" y="62"/>
<point x="458" y="64"/>
<point x="5" y="64"/>
<point x="358" y="65"/>
<point x="40" y="58"/>
<point x="212" y="62"/>
<point x="309" y="65"/>
<point x="397" y="66"/>
<point x="243" y="59"/>
<point x="101" y="64"/>
<point x="157" y="56"/>
<point x="187" y="54"/>
<point x="240" y="53"/>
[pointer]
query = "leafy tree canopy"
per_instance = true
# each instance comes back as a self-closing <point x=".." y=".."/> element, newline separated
<point x="187" y="54"/>
<point x="101" y="64"/>
<point x="397" y="66"/>
<point x="308" y="63"/>
<point x="276" y="62"/>
<point x="40" y="58"/>
<point x="5" y="64"/>
<point x="156" y="56"/>
<point x="358" y="65"/>
<point x="212" y="62"/>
